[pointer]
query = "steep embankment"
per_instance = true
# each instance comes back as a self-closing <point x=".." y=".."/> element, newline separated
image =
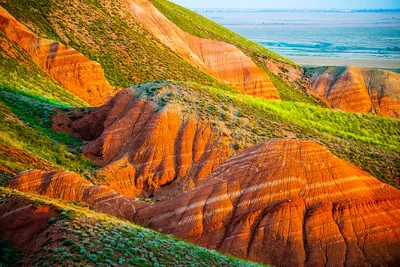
<point x="70" y="186"/>
<point x="357" y="90"/>
<point x="287" y="203"/>
<point x="182" y="132"/>
<point x="161" y="146"/>
<point x="289" y="78"/>
<point x="221" y="60"/>
<point x="46" y="232"/>
<point x="283" y="202"/>
<point x="80" y="75"/>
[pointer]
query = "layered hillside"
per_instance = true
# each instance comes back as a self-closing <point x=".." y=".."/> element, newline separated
<point x="81" y="76"/>
<point x="283" y="202"/>
<point x="339" y="88"/>
<point x="39" y="231"/>
<point x="287" y="203"/>
<point x="202" y="148"/>
<point x="357" y="90"/>
<point x="222" y="60"/>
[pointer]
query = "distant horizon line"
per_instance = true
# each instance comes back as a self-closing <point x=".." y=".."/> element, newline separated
<point x="205" y="9"/>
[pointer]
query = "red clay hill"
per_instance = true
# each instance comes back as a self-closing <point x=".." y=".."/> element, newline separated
<point x="144" y="147"/>
<point x="80" y="75"/>
<point x="357" y="90"/>
<point x="284" y="202"/>
<point x="287" y="203"/>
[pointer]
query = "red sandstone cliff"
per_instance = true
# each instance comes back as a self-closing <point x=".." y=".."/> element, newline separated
<point x="80" y="75"/>
<point x="287" y="203"/>
<point x="284" y="202"/>
<point x="358" y="90"/>
<point x="222" y="60"/>
<point x="145" y="149"/>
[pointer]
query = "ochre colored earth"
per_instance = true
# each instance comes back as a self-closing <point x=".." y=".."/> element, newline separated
<point x="143" y="150"/>
<point x="221" y="60"/>
<point x="22" y="223"/>
<point x="358" y="90"/>
<point x="77" y="73"/>
<point x="287" y="203"/>
<point x="284" y="202"/>
<point x="70" y="186"/>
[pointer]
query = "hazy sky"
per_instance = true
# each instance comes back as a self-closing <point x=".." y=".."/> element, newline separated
<point x="291" y="4"/>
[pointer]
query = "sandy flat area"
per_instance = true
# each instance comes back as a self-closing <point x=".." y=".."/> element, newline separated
<point x="367" y="63"/>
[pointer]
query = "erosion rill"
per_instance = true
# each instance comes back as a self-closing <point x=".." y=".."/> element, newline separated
<point x="222" y="60"/>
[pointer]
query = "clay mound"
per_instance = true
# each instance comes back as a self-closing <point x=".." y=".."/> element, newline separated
<point x="287" y="203"/>
<point x="358" y="90"/>
<point x="19" y="156"/>
<point x="80" y="75"/>
<point x="70" y="186"/>
<point x="146" y="148"/>
<point x="223" y="61"/>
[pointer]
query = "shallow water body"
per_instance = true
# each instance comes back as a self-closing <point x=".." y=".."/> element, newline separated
<point x="365" y="38"/>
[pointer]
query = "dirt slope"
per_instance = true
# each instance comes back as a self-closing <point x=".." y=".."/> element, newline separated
<point x="219" y="59"/>
<point x="287" y="203"/>
<point x="80" y="75"/>
<point x="357" y="90"/>
<point x="144" y="147"/>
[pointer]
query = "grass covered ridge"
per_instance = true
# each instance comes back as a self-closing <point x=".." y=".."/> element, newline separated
<point x="370" y="142"/>
<point x="90" y="238"/>
<point x="200" y="26"/>
<point x="107" y="33"/>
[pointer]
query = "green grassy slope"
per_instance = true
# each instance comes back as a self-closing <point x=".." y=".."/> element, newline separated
<point x="105" y="32"/>
<point x="90" y="238"/>
<point x="367" y="141"/>
<point x="200" y="26"/>
<point x="25" y="122"/>
<point x="17" y="70"/>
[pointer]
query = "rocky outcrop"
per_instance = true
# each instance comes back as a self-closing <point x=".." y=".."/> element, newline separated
<point x="221" y="60"/>
<point x="145" y="148"/>
<point x="287" y="203"/>
<point x="357" y="90"/>
<point x="80" y="75"/>
<point x="70" y="186"/>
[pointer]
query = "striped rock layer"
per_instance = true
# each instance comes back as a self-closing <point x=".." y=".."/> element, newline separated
<point x="77" y="73"/>
<point x="358" y="90"/>
<point x="287" y="203"/>
<point x="221" y="60"/>
<point x="70" y="186"/>
<point x="284" y="202"/>
<point x="144" y="150"/>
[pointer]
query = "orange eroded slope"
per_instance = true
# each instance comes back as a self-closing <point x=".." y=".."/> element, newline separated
<point x="358" y="90"/>
<point x="222" y="60"/>
<point x="70" y="186"/>
<point x="144" y="148"/>
<point x="287" y="203"/>
<point x="284" y="202"/>
<point x="80" y="75"/>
